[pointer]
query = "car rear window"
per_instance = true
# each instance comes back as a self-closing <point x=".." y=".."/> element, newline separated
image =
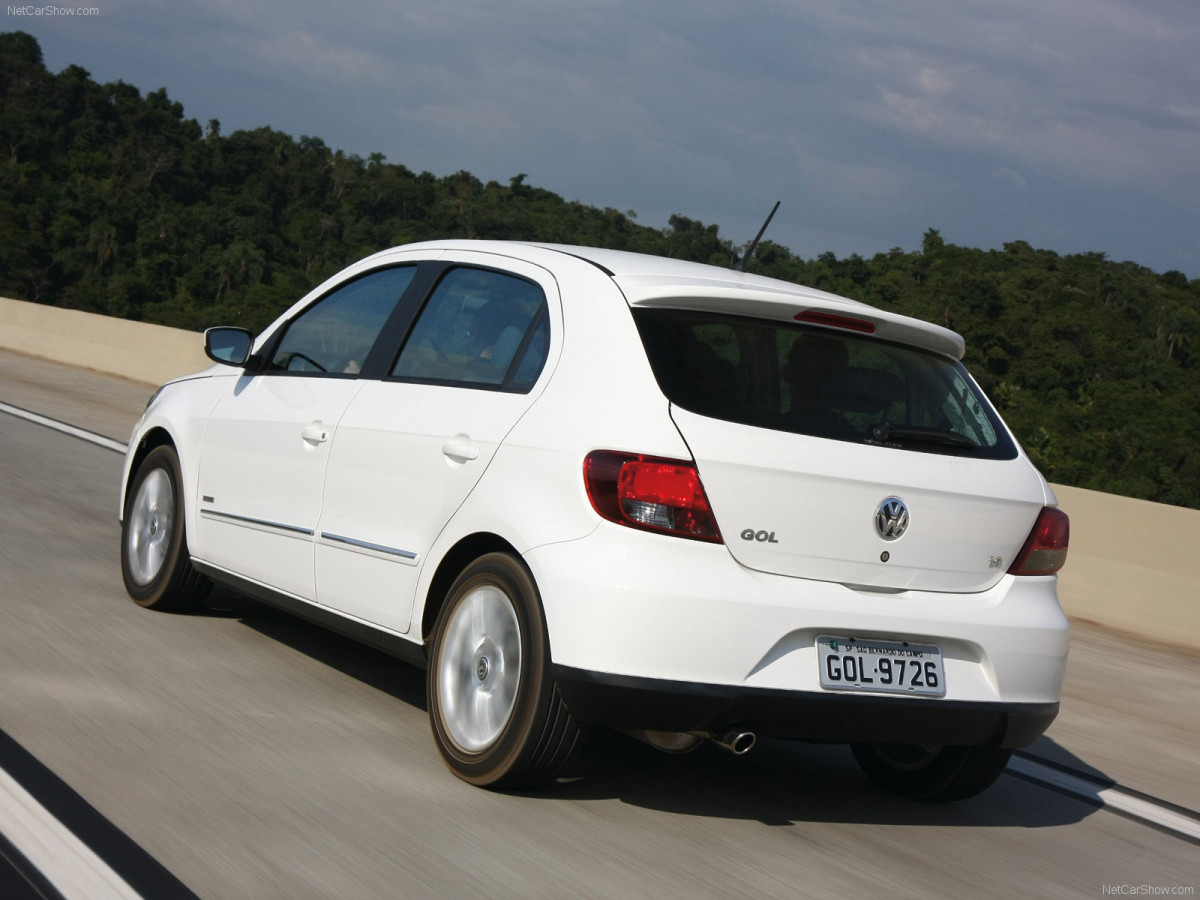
<point x="820" y="382"/>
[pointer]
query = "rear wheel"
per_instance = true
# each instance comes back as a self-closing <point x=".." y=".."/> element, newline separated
<point x="154" y="557"/>
<point x="932" y="773"/>
<point x="495" y="712"/>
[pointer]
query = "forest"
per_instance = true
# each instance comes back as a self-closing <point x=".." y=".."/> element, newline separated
<point x="114" y="202"/>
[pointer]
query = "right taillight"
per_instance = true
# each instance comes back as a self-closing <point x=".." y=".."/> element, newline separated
<point x="1045" y="549"/>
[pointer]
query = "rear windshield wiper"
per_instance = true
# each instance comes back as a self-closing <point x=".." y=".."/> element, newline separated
<point x="920" y="434"/>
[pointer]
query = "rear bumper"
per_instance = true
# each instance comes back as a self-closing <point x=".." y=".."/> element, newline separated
<point x="649" y="610"/>
<point x="622" y="701"/>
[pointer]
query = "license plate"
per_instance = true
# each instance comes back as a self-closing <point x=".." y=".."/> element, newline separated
<point x="896" y="667"/>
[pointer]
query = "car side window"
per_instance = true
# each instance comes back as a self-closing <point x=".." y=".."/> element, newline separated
<point x="334" y="335"/>
<point x="480" y="328"/>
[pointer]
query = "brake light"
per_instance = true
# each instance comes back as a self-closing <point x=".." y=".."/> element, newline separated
<point x="650" y="493"/>
<point x="833" y="320"/>
<point x="1045" y="549"/>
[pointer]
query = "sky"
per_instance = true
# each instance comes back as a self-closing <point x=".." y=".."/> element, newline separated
<point x="1073" y="125"/>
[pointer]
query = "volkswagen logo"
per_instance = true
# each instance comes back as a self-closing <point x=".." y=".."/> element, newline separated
<point x="891" y="519"/>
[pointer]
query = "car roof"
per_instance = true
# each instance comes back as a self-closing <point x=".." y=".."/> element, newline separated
<point x="657" y="281"/>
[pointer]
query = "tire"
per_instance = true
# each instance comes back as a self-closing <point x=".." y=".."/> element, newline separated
<point x="935" y="774"/>
<point x="495" y="712"/>
<point x="155" y="564"/>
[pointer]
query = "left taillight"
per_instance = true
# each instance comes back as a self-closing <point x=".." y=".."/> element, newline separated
<point x="650" y="493"/>
<point x="1045" y="549"/>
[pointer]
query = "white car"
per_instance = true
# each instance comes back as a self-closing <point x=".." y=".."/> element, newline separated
<point x="591" y="487"/>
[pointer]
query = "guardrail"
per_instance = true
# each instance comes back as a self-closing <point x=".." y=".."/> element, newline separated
<point x="1133" y="565"/>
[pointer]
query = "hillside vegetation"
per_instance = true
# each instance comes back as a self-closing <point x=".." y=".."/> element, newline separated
<point x="113" y="202"/>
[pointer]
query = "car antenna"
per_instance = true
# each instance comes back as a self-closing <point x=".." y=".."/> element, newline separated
<point x="740" y="265"/>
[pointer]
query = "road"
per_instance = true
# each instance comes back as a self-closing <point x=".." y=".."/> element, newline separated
<point x="255" y="756"/>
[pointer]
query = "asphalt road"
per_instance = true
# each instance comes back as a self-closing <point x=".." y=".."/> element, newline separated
<point x="255" y="756"/>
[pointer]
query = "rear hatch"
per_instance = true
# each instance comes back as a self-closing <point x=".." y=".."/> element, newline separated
<point x="830" y="453"/>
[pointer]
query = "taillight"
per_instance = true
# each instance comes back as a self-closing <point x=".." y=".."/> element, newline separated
<point x="1045" y="549"/>
<point x="647" y="492"/>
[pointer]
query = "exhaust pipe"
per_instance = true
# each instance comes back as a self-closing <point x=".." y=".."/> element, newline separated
<point x="737" y="741"/>
<point x="677" y="742"/>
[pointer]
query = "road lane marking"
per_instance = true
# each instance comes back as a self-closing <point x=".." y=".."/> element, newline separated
<point x="89" y="436"/>
<point x="1183" y="823"/>
<point x="66" y="862"/>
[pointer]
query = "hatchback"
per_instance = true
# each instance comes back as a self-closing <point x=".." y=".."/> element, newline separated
<point x="588" y="487"/>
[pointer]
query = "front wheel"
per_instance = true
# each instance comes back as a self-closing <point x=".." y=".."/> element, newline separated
<point x="932" y="773"/>
<point x="154" y="556"/>
<point x="496" y="715"/>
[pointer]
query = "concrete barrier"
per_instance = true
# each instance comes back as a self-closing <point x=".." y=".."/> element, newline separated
<point x="135" y="350"/>
<point x="1133" y="565"/>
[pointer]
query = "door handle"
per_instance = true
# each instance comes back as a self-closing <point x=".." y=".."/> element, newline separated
<point x="460" y="452"/>
<point x="315" y="433"/>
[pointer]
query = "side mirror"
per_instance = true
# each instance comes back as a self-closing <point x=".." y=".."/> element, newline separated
<point x="228" y="346"/>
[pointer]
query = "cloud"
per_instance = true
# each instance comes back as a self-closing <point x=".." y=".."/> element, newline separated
<point x="317" y="59"/>
<point x="1013" y="177"/>
<point x="1082" y="91"/>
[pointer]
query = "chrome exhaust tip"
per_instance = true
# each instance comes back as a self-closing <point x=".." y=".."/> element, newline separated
<point x="736" y="740"/>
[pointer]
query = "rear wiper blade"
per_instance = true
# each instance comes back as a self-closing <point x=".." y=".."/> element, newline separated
<point x="920" y="434"/>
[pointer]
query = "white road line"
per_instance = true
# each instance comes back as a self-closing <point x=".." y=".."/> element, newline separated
<point x="64" y="860"/>
<point x="1112" y="797"/>
<point x="91" y="437"/>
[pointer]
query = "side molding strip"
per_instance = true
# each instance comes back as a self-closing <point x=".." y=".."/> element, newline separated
<point x="367" y="545"/>
<point x="262" y="523"/>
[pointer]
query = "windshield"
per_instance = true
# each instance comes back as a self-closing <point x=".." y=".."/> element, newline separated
<point x="820" y="382"/>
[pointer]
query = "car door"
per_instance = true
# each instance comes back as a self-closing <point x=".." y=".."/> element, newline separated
<point x="411" y="447"/>
<point x="266" y="446"/>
